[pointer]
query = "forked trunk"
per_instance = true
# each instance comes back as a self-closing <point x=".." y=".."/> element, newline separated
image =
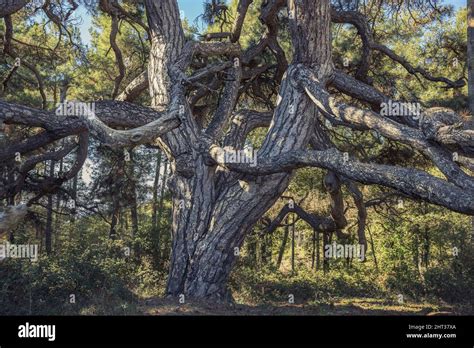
<point x="213" y="210"/>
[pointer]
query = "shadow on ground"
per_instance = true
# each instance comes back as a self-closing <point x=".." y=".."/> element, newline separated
<point x="356" y="306"/>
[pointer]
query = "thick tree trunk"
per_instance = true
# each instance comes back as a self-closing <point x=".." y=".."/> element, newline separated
<point x="214" y="210"/>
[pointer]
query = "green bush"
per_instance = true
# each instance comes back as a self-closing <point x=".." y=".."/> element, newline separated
<point x="454" y="284"/>
<point x="92" y="273"/>
<point x="307" y="286"/>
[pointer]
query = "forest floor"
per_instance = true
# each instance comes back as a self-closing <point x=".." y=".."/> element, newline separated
<point x="346" y="306"/>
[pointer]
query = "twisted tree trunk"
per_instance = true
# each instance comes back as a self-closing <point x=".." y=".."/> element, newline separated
<point x="216" y="203"/>
<point x="211" y="220"/>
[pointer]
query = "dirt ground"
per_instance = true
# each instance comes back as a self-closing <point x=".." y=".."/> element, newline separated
<point x="352" y="306"/>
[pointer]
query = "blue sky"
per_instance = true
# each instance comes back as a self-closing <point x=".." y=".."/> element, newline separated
<point x="193" y="8"/>
<point x="457" y="3"/>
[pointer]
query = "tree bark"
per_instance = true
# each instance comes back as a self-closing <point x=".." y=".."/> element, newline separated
<point x="326" y="241"/>
<point x="49" y="216"/>
<point x="293" y="245"/>
<point x="114" y="221"/>
<point x="211" y="220"/>
<point x="470" y="54"/>
<point x="372" y="246"/>
<point x="216" y="204"/>
<point x="283" y="244"/>
<point x="135" y="227"/>
<point x="155" y="194"/>
<point x="8" y="7"/>
<point x="313" y="249"/>
<point x="470" y="69"/>
<point x="74" y="197"/>
<point x="162" y="193"/>
<point x="263" y="251"/>
<point x="133" y="199"/>
<point x="318" y="258"/>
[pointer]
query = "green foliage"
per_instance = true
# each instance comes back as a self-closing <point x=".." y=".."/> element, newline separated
<point x="98" y="276"/>
<point x="266" y="285"/>
<point x="105" y="276"/>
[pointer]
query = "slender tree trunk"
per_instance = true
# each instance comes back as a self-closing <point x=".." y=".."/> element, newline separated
<point x="252" y="250"/>
<point x="269" y="242"/>
<point x="162" y="192"/>
<point x="470" y="69"/>
<point x="74" y="197"/>
<point x="326" y="241"/>
<point x="62" y="98"/>
<point x="57" y="221"/>
<point x="293" y="245"/>
<point x="133" y="199"/>
<point x="283" y="243"/>
<point x="159" y="237"/>
<point x="313" y="249"/>
<point x="418" y="259"/>
<point x="209" y="219"/>
<point x="318" y="258"/>
<point x="263" y="251"/>
<point x="372" y="246"/>
<point x="49" y="216"/>
<point x="426" y="248"/>
<point x="114" y="220"/>
<point x="155" y="194"/>
<point x="117" y="195"/>
<point x="470" y="54"/>
<point x="123" y="221"/>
